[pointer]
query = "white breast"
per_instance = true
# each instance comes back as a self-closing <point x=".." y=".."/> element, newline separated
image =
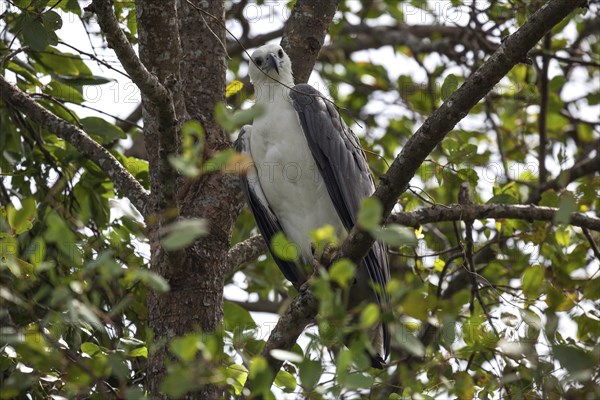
<point x="289" y="177"/>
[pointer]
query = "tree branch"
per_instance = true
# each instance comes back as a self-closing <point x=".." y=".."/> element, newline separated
<point x="290" y="326"/>
<point x="245" y="251"/>
<point x="459" y="212"/>
<point x="153" y="90"/>
<point x="512" y="51"/>
<point x="304" y="34"/>
<point x="543" y="115"/>
<point x="581" y="169"/>
<point x="122" y="179"/>
<point x="430" y="134"/>
<point x="235" y="48"/>
<point x="148" y="83"/>
<point x="412" y="36"/>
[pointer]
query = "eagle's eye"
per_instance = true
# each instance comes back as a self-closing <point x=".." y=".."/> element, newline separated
<point x="258" y="61"/>
<point x="280" y="53"/>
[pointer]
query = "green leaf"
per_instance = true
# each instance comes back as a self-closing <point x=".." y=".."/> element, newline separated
<point x="86" y="314"/>
<point x="102" y="129"/>
<point x="185" y="166"/>
<point x="449" y="86"/>
<point x="183" y="233"/>
<point x="232" y="122"/>
<point x="149" y="278"/>
<point x="219" y="161"/>
<point x="283" y="248"/>
<point x="70" y="6"/>
<point x="90" y="348"/>
<point x="310" y="373"/>
<point x="574" y="359"/>
<point x="342" y="272"/>
<point x="503" y="198"/>
<point x="395" y="235"/>
<point x="58" y="63"/>
<point x="19" y="268"/>
<point x="566" y="206"/>
<point x="464" y="386"/>
<point x="237" y="375"/>
<point x="532" y="280"/>
<point x="407" y="341"/>
<point x="88" y="80"/>
<point x="286" y="381"/>
<point x="369" y="215"/>
<point x="21" y="220"/>
<point x="186" y="347"/>
<point x="468" y="175"/>
<point x="35" y="34"/>
<point x="181" y="380"/>
<point x="562" y="236"/>
<point x="193" y="139"/>
<point x="237" y="318"/>
<point x="557" y="300"/>
<point x="323" y="236"/>
<point x="260" y="375"/>
<point x="416" y="305"/>
<point x="369" y="316"/>
<point x="139" y="352"/>
<point x="138" y="168"/>
<point x="531" y="319"/>
<point x="52" y="20"/>
<point x="64" y="92"/>
<point x="358" y="380"/>
<point x="23" y="3"/>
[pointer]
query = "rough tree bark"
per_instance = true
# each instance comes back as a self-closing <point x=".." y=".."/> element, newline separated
<point x="196" y="275"/>
<point x="185" y="49"/>
<point x="304" y="34"/>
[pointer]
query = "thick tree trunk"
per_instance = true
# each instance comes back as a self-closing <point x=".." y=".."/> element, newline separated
<point x="185" y="46"/>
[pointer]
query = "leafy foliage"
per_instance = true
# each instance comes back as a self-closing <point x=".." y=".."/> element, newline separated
<point x="74" y="254"/>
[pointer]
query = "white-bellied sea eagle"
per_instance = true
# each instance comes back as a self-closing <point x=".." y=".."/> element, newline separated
<point x="308" y="171"/>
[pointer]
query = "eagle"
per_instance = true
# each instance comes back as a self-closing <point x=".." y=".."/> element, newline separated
<point x="308" y="170"/>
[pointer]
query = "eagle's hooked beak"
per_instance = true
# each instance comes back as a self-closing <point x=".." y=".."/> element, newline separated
<point x="272" y="63"/>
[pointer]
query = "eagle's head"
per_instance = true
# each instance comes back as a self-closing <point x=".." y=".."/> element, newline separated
<point x="270" y="61"/>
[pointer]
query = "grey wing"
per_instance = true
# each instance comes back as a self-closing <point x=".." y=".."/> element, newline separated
<point x="267" y="222"/>
<point x="344" y="167"/>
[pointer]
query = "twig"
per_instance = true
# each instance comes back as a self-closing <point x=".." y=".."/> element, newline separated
<point x="592" y="243"/>
<point x="464" y="200"/>
<point x="123" y="180"/>
<point x="543" y="115"/>
<point x="499" y="139"/>
<point x="11" y="55"/>
<point x="144" y="79"/>
<point x="154" y="90"/>
<point x="581" y="169"/>
<point x="245" y="251"/>
<point x="95" y="58"/>
<point x="435" y="254"/>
